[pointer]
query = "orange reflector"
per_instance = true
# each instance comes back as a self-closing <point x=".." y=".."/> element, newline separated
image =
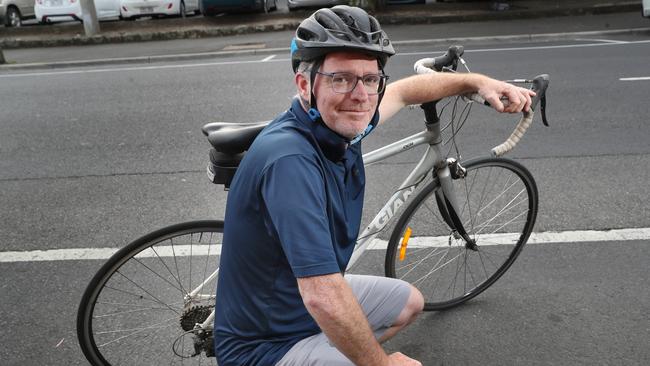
<point x="405" y="240"/>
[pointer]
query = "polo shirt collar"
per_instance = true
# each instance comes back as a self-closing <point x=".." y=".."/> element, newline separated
<point x="331" y="143"/>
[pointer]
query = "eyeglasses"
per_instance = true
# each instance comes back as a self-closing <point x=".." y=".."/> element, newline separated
<point x="345" y="82"/>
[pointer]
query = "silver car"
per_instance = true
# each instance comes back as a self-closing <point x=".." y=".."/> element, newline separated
<point x="295" y="4"/>
<point x="12" y="12"/>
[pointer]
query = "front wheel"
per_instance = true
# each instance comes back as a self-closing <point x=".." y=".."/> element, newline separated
<point x="497" y="200"/>
<point x="138" y="310"/>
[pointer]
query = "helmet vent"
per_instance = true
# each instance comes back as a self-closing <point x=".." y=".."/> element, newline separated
<point x="341" y="28"/>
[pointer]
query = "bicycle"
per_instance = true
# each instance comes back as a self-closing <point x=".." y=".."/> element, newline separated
<point x="463" y="225"/>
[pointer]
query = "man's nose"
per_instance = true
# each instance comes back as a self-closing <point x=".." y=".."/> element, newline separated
<point x="359" y="91"/>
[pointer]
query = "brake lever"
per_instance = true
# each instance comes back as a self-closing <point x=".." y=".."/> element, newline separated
<point x="543" y="108"/>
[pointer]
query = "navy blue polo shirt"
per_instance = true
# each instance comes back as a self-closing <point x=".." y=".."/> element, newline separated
<point x="294" y="210"/>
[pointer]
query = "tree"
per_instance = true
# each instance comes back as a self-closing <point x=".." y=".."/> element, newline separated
<point x="89" y="16"/>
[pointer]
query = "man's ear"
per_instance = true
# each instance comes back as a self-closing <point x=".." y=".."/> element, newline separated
<point x="302" y="84"/>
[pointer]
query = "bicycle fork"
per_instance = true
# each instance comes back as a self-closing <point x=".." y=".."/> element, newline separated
<point x="446" y="170"/>
<point x="448" y="203"/>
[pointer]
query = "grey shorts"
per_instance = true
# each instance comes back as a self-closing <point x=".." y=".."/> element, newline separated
<point x="382" y="300"/>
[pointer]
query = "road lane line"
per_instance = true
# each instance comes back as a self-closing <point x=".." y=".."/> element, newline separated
<point x="565" y="237"/>
<point x="635" y="79"/>
<point x="600" y="40"/>
<point x="137" y="68"/>
<point x="268" y="58"/>
<point x="531" y="48"/>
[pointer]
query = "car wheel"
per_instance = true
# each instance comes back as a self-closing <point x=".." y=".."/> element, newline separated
<point x="181" y="12"/>
<point x="13" y="18"/>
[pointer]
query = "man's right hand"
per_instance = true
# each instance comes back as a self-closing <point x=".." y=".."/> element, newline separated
<point x="399" y="359"/>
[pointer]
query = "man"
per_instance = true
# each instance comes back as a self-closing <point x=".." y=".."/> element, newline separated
<point x="295" y="204"/>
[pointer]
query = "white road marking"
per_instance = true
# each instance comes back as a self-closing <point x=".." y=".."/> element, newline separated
<point x="268" y="58"/>
<point x="135" y="68"/>
<point x="600" y="40"/>
<point x="225" y="63"/>
<point x="529" y="48"/>
<point x="635" y="79"/>
<point x="565" y="237"/>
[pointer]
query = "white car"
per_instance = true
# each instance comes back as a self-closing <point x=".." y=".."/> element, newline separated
<point x="296" y="4"/>
<point x="646" y="8"/>
<point x="61" y="10"/>
<point x="12" y="12"/>
<point x="131" y="9"/>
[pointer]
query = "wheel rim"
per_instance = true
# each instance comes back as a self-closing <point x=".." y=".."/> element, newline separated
<point x="136" y="315"/>
<point x="14" y="19"/>
<point x="498" y="215"/>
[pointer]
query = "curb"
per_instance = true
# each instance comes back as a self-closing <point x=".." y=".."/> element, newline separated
<point x="124" y="37"/>
<point x="212" y="55"/>
<point x="409" y="17"/>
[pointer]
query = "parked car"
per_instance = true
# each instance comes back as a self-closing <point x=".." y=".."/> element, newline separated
<point x="297" y="4"/>
<point x="646" y="8"/>
<point x="399" y="2"/>
<point x="12" y="12"/>
<point x="212" y="7"/>
<point x="131" y="9"/>
<point x="48" y="11"/>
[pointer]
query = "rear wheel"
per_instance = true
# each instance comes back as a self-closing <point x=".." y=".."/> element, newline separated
<point x="498" y="203"/>
<point x="137" y="311"/>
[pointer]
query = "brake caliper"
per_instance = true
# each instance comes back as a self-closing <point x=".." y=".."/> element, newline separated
<point x="455" y="169"/>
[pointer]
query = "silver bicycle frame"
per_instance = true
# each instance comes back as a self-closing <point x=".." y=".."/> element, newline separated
<point x="432" y="157"/>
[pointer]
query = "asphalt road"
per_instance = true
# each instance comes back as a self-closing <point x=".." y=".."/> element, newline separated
<point x="95" y="157"/>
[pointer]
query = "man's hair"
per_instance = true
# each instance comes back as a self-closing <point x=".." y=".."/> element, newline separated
<point x="305" y="66"/>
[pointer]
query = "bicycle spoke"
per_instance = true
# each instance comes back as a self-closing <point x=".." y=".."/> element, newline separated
<point x="137" y="310"/>
<point x="145" y="291"/>
<point x="489" y="221"/>
<point x="414" y="265"/>
<point x="183" y="292"/>
<point x="132" y="332"/>
<point x="161" y="277"/>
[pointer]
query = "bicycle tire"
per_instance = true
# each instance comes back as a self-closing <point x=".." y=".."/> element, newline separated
<point x="496" y="194"/>
<point x="134" y="312"/>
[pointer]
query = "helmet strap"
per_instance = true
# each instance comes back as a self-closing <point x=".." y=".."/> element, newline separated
<point x="312" y="78"/>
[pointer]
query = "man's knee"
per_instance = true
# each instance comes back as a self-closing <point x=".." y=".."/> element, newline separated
<point x="415" y="302"/>
<point x="414" y="306"/>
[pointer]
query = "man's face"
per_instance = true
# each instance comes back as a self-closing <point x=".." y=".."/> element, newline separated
<point x="347" y="114"/>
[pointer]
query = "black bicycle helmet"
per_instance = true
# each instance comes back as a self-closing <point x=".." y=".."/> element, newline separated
<point x="341" y="28"/>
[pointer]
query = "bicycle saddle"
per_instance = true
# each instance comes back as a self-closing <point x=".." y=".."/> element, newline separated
<point x="232" y="138"/>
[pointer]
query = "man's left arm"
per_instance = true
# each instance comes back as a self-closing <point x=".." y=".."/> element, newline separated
<point x="423" y="88"/>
